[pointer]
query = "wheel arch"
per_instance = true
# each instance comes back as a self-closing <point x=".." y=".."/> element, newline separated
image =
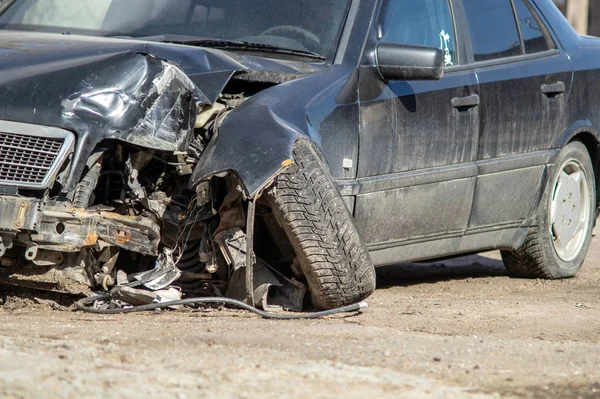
<point x="585" y="132"/>
<point x="591" y="142"/>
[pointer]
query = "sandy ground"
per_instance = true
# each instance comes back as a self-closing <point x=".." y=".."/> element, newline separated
<point x="454" y="329"/>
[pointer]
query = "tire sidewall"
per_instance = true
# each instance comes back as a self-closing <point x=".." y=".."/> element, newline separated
<point x="557" y="267"/>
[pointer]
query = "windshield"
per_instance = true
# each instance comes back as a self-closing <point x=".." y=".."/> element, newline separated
<point x="305" y="25"/>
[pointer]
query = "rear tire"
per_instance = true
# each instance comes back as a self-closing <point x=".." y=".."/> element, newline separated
<point x="556" y="247"/>
<point x="333" y="257"/>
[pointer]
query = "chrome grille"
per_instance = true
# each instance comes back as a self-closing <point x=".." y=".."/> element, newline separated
<point x="32" y="158"/>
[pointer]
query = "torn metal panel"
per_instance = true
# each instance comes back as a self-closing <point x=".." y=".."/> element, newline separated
<point x="134" y="107"/>
<point x="133" y="296"/>
<point x="163" y="275"/>
<point x="130" y="96"/>
<point x="212" y="83"/>
<point x="153" y="104"/>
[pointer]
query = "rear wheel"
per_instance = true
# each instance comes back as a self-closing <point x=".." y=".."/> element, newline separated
<point x="557" y="246"/>
<point x="331" y="253"/>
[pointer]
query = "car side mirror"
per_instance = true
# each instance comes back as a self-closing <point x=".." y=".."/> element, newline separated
<point x="406" y="62"/>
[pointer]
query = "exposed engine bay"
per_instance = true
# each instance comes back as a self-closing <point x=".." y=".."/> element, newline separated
<point x="131" y="224"/>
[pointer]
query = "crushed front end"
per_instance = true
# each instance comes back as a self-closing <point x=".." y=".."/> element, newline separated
<point x="107" y="191"/>
<point x="104" y="204"/>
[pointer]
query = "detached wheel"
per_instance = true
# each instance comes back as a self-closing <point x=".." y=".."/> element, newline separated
<point x="557" y="246"/>
<point x="308" y="206"/>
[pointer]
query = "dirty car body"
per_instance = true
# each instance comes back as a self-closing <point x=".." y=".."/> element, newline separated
<point x="146" y="138"/>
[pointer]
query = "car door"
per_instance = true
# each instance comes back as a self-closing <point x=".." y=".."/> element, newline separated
<point x="523" y="80"/>
<point x="418" y="140"/>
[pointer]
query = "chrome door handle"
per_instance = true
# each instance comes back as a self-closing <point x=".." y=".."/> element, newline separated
<point x="554" y="88"/>
<point x="466" y="102"/>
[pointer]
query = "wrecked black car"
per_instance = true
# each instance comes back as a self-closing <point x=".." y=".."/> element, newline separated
<point x="141" y="139"/>
<point x="275" y="151"/>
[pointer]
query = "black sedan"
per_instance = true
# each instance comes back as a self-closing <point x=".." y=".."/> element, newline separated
<point x="258" y="149"/>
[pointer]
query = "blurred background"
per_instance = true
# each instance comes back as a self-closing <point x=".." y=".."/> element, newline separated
<point x="584" y="15"/>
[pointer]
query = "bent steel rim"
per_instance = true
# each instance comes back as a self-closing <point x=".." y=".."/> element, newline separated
<point x="570" y="211"/>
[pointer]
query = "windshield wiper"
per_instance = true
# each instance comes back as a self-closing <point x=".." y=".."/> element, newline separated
<point x="232" y="45"/>
<point x="239" y="45"/>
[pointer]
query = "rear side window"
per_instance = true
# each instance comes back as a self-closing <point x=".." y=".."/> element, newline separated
<point x="426" y="23"/>
<point x="493" y="28"/>
<point x="532" y="30"/>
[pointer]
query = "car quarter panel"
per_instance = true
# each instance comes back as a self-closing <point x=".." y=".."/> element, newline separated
<point x="585" y="97"/>
<point x="584" y="54"/>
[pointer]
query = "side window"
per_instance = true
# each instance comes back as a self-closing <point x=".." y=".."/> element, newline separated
<point x="493" y="28"/>
<point x="426" y="23"/>
<point x="533" y="32"/>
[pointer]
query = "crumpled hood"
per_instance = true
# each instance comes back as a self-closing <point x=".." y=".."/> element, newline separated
<point x="28" y="53"/>
<point x="143" y="93"/>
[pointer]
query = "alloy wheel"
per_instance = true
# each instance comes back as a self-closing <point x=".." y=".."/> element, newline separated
<point x="570" y="211"/>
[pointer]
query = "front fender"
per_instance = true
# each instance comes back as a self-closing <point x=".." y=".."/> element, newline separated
<point x="255" y="140"/>
<point x="255" y="151"/>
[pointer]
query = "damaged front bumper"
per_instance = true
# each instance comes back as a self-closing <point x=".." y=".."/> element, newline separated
<point x="54" y="237"/>
<point x="71" y="230"/>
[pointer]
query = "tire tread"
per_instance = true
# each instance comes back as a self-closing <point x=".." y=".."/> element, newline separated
<point x="528" y="260"/>
<point x="311" y="211"/>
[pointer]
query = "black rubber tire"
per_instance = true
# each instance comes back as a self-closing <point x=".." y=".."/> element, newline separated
<point x="537" y="258"/>
<point x="333" y="257"/>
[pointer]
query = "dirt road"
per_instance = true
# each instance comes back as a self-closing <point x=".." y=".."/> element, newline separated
<point x="455" y="329"/>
